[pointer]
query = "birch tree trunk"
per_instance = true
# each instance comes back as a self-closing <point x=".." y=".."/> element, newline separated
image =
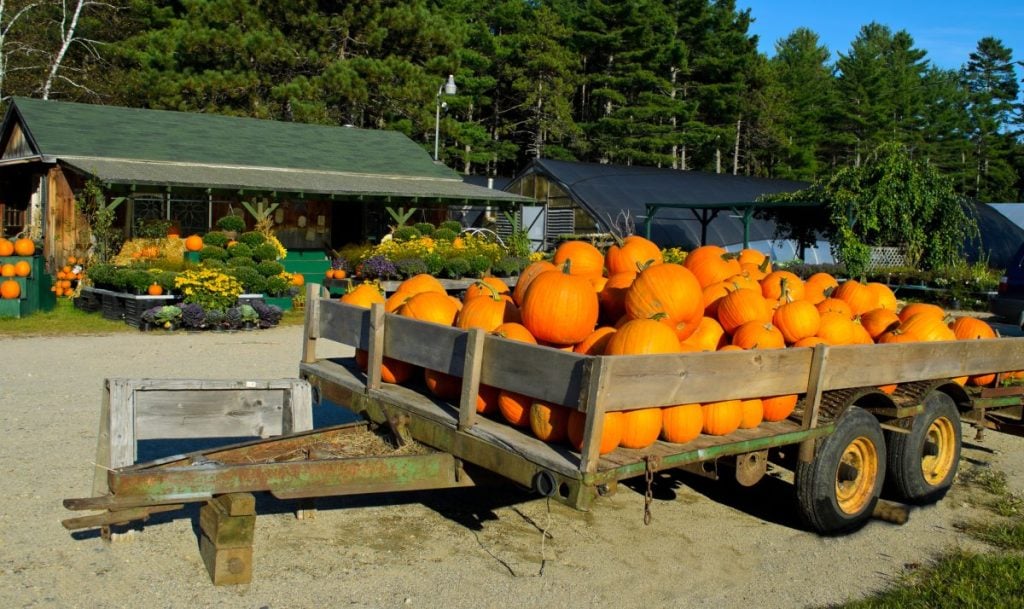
<point x="67" y="32"/>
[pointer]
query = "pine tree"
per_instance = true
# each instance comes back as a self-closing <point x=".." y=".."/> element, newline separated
<point x="993" y="86"/>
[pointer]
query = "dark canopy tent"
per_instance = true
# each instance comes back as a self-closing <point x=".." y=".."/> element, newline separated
<point x="607" y="192"/>
<point x="1000" y="237"/>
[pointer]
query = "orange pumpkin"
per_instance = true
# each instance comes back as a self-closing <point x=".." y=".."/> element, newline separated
<point x="193" y="243"/>
<point x="597" y="342"/>
<point x="24" y="247"/>
<point x="758" y="335"/>
<point x="421" y="283"/>
<point x="154" y="289"/>
<point x="635" y="254"/>
<point x="486" y="286"/>
<point x="966" y="328"/>
<point x="298" y="279"/>
<point x="884" y="295"/>
<point x="722" y="418"/>
<point x="879" y="321"/>
<point x="6" y="247"/>
<point x="777" y="408"/>
<point x="7" y="270"/>
<point x="709" y="335"/>
<point x="819" y="286"/>
<point x="559" y="307"/>
<point x="396" y="300"/>
<point x="926" y="326"/>
<point x="741" y="306"/>
<point x="486" y="312"/>
<point x="487" y="399"/>
<point x="640" y="428"/>
<point x="530" y="273"/>
<point x="514" y="331"/>
<point x="443" y="385"/>
<point x="780" y="284"/>
<point x="860" y="297"/>
<point x="612" y="297"/>
<point x="797" y="319"/>
<point x="391" y="370"/>
<point x="681" y="423"/>
<point x="549" y="422"/>
<point x="585" y="259"/>
<point x="10" y="289"/>
<point x="921" y="307"/>
<point x="435" y="307"/>
<point x="668" y="289"/>
<point x="515" y="407"/>
<point x="642" y="336"/>
<point x="362" y="295"/>
<point x="835" y="305"/>
<point x="611" y="431"/>
<point x="22" y="268"/>
<point x="753" y="413"/>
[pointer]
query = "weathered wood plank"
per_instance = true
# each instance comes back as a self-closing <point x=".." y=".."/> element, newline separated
<point x="594" y="383"/>
<point x="441" y="348"/>
<point x="547" y="374"/>
<point x="812" y="403"/>
<point x="208" y="413"/>
<point x="471" y="378"/>
<point x="375" y="348"/>
<point x="344" y="323"/>
<point x="122" y="423"/>
<point x="117" y="517"/>
<point x="298" y="408"/>
<point x="102" y="464"/>
<point x="311" y="323"/>
<point x="641" y="381"/>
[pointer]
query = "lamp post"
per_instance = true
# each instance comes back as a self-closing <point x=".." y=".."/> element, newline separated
<point x="448" y="88"/>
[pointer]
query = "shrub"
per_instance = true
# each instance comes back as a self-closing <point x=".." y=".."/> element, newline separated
<point x="407" y="267"/>
<point x="405" y="233"/>
<point x="453" y="225"/>
<point x="435" y="263"/>
<point x="216" y="238"/>
<point x="101" y="274"/>
<point x="251" y="279"/>
<point x="508" y="266"/>
<point x="209" y="288"/>
<point x="152" y="229"/>
<point x="267" y="251"/>
<point x="479" y="265"/>
<point x="269" y="268"/>
<point x="253" y="239"/>
<point x="425" y="228"/>
<point x="238" y="261"/>
<point x="212" y="252"/>
<point x="445" y="234"/>
<point x="240" y="250"/>
<point x="231" y="222"/>
<point x="456" y="267"/>
<point x="165" y="279"/>
<point x="277" y="285"/>
<point x="217" y="265"/>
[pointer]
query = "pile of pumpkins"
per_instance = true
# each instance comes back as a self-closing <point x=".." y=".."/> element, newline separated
<point x="628" y="301"/>
<point x="9" y="287"/>
<point x="67" y="277"/>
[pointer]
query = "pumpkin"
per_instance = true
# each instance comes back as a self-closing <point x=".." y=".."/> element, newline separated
<point x="742" y="306"/>
<point x="530" y="273"/>
<point x="837" y="329"/>
<point x="753" y="413"/>
<point x="193" y="243"/>
<point x="779" y="284"/>
<point x="640" y="428"/>
<point x="926" y="326"/>
<point x="154" y="289"/>
<point x="391" y="370"/>
<point x="611" y="431"/>
<point x="514" y="331"/>
<point x="422" y="282"/>
<point x="612" y="297"/>
<point x="884" y="295"/>
<point x="362" y="295"/>
<point x="921" y="307"/>
<point x="487" y="399"/>
<point x="559" y="307"/>
<point x="879" y="321"/>
<point x="329" y="274"/>
<point x="668" y="289"/>
<point x="810" y="341"/>
<point x="754" y="257"/>
<point x="778" y="407"/>
<point x="435" y="307"/>
<point x="715" y="292"/>
<point x="819" y="286"/>
<point x="860" y="297"/>
<point x="758" y="335"/>
<point x="486" y="286"/>
<point x="722" y="418"/>
<point x="888" y="389"/>
<point x="681" y="423"/>
<point x="835" y="305"/>
<point x="396" y="300"/>
<point x="515" y="408"/>
<point x="797" y="319"/>
<point x="585" y="259"/>
<point x="635" y="254"/>
<point x="711" y="264"/>
<point x="298" y="279"/>
<point x="24" y="247"/>
<point x="7" y="270"/>
<point x="6" y="247"/>
<point x="22" y="269"/>
<point x="642" y="336"/>
<point x="487" y="313"/>
<point x="443" y="385"/>
<point x="709" y="335"/>
<point x="966" y="328"/>
<point x="10" y="289"/>
<point x="549" y="422"/>
<point x="597" y="342"/>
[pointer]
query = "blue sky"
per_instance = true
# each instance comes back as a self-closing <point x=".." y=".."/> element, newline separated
<point x="948" y="30"/>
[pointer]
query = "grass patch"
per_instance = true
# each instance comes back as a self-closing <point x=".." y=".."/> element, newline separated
<point x="63" y="320"/>
<point x="957" y="580"/>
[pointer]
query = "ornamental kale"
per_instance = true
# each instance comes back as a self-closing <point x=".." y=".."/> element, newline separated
<point x="193" y="316"/>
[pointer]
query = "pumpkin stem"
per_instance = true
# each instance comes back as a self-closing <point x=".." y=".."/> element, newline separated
<point x="643" y="266"/>
<point x="494" y="294"/>
<point x="763" y="267"/>
<point x="660" y="315"/>
<point x="566" y="268"/>
<point x="786" y="296"/>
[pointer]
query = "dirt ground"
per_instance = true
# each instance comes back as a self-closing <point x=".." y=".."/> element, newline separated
<point x="707" y="546"/>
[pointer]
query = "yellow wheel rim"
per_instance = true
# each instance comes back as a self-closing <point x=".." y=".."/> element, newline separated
<point x="938" y="452"/>
<point x="856" y="475"/>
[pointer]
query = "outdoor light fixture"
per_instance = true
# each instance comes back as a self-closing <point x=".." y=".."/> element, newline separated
<point x="448" y="88"/>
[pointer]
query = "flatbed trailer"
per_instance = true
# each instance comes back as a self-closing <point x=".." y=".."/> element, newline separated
<point x="845" y="437"/>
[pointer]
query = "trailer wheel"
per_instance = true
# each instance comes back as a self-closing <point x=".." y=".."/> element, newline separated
<point x="838" y="490"/>
<point x="923" y="463"/>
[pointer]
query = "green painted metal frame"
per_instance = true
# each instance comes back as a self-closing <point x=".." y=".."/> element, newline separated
<point x="710" y="211"/>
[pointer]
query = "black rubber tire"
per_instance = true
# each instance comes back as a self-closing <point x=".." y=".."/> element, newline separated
<point x="818" y="482"/>
<point x="936" y="429"/>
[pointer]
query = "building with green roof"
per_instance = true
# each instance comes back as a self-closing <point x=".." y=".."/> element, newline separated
<point x="324" y="186"/>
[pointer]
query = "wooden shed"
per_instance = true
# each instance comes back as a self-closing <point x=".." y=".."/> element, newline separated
<point x="324" y="186"/>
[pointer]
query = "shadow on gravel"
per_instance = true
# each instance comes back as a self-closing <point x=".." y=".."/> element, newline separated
<point x="772" y="499"/>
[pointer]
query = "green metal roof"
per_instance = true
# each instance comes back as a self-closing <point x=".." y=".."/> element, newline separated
<point x="159" y="147"/>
